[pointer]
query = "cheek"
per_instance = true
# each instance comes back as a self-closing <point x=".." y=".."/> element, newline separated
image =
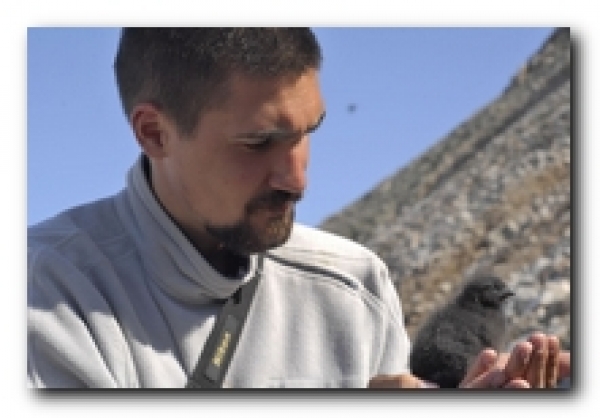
<point x="247" y="176"/>
<point x="246" y="170"/>
<point x="234" y="185"/>
<point x="206" y="187"/>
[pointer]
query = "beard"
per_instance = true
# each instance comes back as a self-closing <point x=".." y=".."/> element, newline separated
<point x="258" y="231"/>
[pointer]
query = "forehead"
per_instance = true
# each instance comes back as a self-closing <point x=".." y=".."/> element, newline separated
<point x="292" y="99"/>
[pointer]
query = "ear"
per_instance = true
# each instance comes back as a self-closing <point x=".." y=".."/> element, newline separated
<point x="152" y="129"/>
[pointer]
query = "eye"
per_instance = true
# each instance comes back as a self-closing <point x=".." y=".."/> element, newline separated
<point x="258" y="145"/>
<point x="261" y="143"/>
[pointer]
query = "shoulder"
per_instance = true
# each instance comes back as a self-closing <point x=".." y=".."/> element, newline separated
<point x="49" y="236"/>
<point x="337" y="258"/>
<point x="79" y="236"/>
<point x="317" y="248"/>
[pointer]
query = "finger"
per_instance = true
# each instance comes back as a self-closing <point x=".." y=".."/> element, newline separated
<point x="385" y="382"/>
<point x="483" y="363"/>
<point x="492" y="379"/>
<point x="497" y="379"/>
<point x="508" y="371"/>
<point x="536" y="370"/>
<point x="487" y="371"/>
<point x="552" y="363"/>
<point x="564" y="364"/>
<point x="517" y="384"/>
<point x="401" y="381"/>
<point x="516" y="365"/>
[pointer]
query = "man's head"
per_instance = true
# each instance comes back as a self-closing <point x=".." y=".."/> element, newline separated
<point x="224" y="115"/>
<point x="184" y="71"/>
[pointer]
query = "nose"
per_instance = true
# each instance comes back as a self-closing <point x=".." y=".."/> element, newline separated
<point x="289" y="168"/>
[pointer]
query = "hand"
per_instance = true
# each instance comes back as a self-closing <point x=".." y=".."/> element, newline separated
<point x="535" y="363"/>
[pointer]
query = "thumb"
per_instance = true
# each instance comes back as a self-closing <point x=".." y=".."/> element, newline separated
<point x="483" y="363"/>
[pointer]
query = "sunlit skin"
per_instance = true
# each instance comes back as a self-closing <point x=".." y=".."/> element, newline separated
<point x="252" y="145"/>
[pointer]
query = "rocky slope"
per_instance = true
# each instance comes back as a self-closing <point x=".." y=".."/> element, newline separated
<point x="494" y="195"/>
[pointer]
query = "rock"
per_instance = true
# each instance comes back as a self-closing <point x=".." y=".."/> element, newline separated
<point x="492" y="195"/>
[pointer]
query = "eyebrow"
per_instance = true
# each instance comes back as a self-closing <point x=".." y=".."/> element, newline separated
<point x="281" y="133"/>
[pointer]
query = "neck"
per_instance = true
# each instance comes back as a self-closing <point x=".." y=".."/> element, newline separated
<point x="221" y="258"/>
<point x="226" y="262"/>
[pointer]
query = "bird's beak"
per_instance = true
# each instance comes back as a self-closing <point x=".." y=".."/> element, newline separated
<point x="506" y="294"/>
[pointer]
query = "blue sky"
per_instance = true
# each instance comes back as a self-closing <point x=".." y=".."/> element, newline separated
<point x="410" y="86"/>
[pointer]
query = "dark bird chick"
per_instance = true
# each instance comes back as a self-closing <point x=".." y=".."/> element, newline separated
<point x="453" y="336"/>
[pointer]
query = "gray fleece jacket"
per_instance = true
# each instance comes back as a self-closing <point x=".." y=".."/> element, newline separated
<point x="119" y="298"/>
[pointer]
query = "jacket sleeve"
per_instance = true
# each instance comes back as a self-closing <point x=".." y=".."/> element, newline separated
<point x="396" y="345"/>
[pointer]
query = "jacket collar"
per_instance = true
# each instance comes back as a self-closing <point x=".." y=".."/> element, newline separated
<point x="171" y="259"/>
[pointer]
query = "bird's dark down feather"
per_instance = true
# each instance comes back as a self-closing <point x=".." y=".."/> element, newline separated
<point x="453" y="336"/>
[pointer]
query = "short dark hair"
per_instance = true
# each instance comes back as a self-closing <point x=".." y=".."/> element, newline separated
<point x="180" y="70"/>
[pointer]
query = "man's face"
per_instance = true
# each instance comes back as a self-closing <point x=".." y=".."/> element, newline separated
<point x="234" y="182"/>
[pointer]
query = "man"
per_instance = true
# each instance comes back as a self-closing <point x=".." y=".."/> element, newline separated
<point x="124" y="292"/>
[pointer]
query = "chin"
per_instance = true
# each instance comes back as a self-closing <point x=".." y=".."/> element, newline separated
<point x="274" y="234"/>
<point x="282" y="235"/>
<point x="253" y="236"/>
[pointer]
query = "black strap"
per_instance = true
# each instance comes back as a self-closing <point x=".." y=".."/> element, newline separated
<point x="222" y="341"/>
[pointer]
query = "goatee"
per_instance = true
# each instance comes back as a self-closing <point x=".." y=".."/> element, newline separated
<point x="245" y="238"/>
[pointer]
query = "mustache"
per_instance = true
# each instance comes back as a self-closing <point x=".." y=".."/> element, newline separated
<point x="272" y="199"/>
